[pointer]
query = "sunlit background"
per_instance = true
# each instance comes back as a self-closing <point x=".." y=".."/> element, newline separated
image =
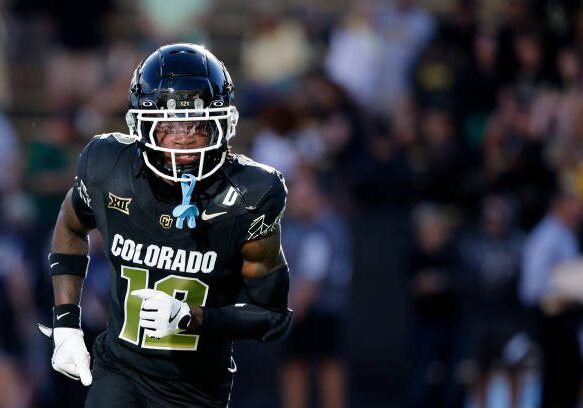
<point x="422" y="142"/>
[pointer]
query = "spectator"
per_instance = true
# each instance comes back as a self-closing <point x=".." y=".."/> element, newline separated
<point x="437" y="338"/>
<point x="338" y="117"/>
<point x="491" y="263"/>
<point x="404" y="29"/>
<point x="49" y="172"/>
<point x="480" y="77"/>
<point x="318" y="246"/>
<point x="566" y="145"/>
<point x="109" y="99"/>
<point x="434" y="76"/>
<point x="515" y="20"/>
<point x="514" y="159"/>
<point x="10" y="157"/>
<point x="441" y="162"/>
<point x="181" y="22"/>
<point x="383" y="174"/>
<point x="355" y="40"/>
<point x="284" y="142"/>
<point x="17" y="314"/>
<point x="531" y="70"/>
<point x="16" y="389"/>
<point x="79" y="36"/>
<point x="4" y="78"/>
<point x="276" y="51"/>
<point x="552" y="243"/>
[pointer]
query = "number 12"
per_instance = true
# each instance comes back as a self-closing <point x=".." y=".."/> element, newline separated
<point x="195" y="294"/>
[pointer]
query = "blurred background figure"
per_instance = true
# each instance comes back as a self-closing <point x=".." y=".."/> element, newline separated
<point x="437" y="335"/>
<point x="442" y="162"/>
<point x="554" y="242"/>
<point x="404" y="29"/>
<point x="317" y="241"/>
<point x="275" y="50"/>
<point x="355" y="40"/>
<point x="49" y="168"/>
<point x="11" y="156"/>
<point x="20" y="352"/>
<point x="285" y="141"/>
<point x="478" y="77"/>
<point x="274" y="53"/>
<point x="495" y="321"/>
<point x="78" y="33"/>
<point x="4" y="86"/>
<point x="183" y="22"/>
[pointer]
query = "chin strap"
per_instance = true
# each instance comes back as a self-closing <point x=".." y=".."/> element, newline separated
<point x="186" y="210"/>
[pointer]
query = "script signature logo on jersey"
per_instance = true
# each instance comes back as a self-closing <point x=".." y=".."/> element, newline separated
<point x="82" y="190"/>
<point x="119" y="203"/>
<point x="259" y="228"/>
<point x="163" y="257"/>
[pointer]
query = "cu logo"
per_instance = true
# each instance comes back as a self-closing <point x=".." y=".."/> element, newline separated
<point x="147" y="104"/>
<point x="217" y="104"/>
<point x="166" y="221"/>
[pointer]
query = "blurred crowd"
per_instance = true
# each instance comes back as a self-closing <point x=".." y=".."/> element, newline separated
<point x="433" y="151"/>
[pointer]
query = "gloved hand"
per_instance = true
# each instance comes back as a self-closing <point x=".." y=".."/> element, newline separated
<point x="70" y="356"/>
<point x="161" y="313"/>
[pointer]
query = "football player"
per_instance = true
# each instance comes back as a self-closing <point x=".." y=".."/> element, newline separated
<point x="191" y="231"/>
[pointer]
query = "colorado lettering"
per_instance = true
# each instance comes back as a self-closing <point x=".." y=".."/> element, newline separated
<point x="163" y="257"/>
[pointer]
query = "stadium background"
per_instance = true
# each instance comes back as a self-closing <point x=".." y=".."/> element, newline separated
<point x="421" y="126"/>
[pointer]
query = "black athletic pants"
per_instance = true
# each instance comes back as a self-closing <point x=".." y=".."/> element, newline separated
<point x="117" y="386"/>
<point x="561" y="361"/>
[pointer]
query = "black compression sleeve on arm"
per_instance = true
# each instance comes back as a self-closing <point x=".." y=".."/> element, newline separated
<point x="266" y="316"/>
<point x="246" y="321"/>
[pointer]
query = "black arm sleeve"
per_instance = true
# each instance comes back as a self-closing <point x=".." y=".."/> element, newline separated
<point x="265" y="318"/>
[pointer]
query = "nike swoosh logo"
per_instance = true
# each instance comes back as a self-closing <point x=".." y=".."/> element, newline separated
<point x="61" y="315"/>
<point x="53" y="264"/>
<point x="173" y="317"/>
<point x="205" y="217"/>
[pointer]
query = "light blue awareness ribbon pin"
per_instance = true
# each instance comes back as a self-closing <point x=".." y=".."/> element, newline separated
<point x="186" y="210"/>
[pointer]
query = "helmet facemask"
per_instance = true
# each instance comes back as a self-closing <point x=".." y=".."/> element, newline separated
<point x="179" y="141"/>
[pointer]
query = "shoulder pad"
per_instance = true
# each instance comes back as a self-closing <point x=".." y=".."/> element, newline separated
<point x="256" y="181"/>
<point x="103" y="152"/>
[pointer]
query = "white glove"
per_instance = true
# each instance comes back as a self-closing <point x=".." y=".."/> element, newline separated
<point x="160" y="312"/>
<point x="70" y="356"/>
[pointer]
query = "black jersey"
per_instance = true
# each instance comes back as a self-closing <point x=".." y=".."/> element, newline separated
<point x="133" y="211"/>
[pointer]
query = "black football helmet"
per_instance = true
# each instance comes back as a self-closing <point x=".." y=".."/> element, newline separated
<point x="182" y="85"/>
